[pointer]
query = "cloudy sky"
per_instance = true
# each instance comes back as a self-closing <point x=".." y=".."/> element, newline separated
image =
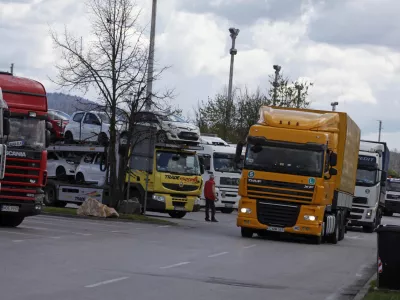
<point x="348" y="48"/>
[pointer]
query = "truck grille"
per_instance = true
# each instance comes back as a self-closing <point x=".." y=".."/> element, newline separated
<point x="229" y="181"/>
<point x="184" y="188"/>
<point x="22" y="176"/>
<point x="276" y="190"/>
<point x="277" y="213"/>
<point x="360" y="200"/>
<point x="391" y="196"/>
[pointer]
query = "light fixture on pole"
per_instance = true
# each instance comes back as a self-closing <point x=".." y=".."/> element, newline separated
<point x="334" y="104"/>
<point x="276" y="83"/>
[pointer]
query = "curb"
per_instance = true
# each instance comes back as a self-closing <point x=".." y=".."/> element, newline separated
<point x="108" y="219"/>
<point x="364" y="290"/>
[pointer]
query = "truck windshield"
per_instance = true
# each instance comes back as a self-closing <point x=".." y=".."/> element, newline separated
<point x="27" y="133"/>
<point x="366" y="177"/>
<point x="178" y="163"/>
<point x="224" y="162"/>
<point x="285" y="160"/>
<point x="393" y="186"/>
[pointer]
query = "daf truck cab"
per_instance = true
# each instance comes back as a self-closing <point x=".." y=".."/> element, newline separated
<point x="218" y="158"/>
<point x="369" y="201"/>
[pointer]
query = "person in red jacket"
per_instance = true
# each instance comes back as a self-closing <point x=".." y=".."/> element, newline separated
<point x="211" y="197"/>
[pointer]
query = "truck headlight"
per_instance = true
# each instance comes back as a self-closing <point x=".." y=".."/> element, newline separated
<point x="245" y="210"/>
<point x="309" y="218"/>
<point x="369" y="213"/>
<point x="158" y="198"/>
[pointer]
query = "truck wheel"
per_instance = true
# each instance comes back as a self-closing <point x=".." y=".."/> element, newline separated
<point x="334" y="237"/>
<point x="225" y="210"/>
<point x="11" y="221"/>
<point x="246" y="232"/>
<point x="49" y="196"/>
<point x="177" y="214"/>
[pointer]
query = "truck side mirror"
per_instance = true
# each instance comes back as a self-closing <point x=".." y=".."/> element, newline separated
<point x="3" y="151"/>
<point x="333" y="159"/>
<point x="47" y="138"/>
<point x="238" y="154"/>
<point x="6" y="126"/>
<point x="201" y="169"/>
<point x="332" y="171"/>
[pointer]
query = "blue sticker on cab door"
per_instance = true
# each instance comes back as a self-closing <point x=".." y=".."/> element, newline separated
<point x="311" y="180"/>
<point x="251" y="174"/>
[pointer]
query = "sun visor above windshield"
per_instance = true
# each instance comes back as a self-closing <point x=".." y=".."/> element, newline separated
<point x="299" y="119"/>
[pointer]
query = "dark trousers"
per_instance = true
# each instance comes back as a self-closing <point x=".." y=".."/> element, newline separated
<point x="210" y="204"/>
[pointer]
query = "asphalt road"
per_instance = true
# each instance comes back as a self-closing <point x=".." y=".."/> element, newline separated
<point x="59" y="258"/>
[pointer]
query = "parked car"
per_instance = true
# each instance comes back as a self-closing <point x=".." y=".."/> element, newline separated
<point x="59" y="120"/>
<point x="61" y="166"/>
<point x="88" y="126"/>
<point x="170" y="127"/>
<point x="89" y="170"/>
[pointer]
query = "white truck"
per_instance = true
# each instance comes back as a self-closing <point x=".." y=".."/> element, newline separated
<point x="218" y="159"/>
<point x="369" y="202"/>
<point x="392" y="199"/>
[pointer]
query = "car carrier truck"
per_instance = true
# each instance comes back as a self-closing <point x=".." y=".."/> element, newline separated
<point x="165" y="178"/>
<point x="299" y="173"/>
<point x="25" y="175"/>
<point x="369" y="201"/>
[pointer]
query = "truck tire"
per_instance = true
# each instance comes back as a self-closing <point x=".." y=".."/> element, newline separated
<point x="334" y="237"/>
<point x="177" y="214"/>
<point x="246" y="232"/>
<point x="226" y="210"/>
<point x="10" y="220"/>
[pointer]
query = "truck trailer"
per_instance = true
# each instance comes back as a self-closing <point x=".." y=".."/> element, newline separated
<point x="369" y="201"/>
<point x="299" y="173"/>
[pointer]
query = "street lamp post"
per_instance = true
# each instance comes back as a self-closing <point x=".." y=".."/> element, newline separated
<point x="334" y="104"/>
<point x="276" y="83"/>
<point x="234" y="33"/>
<point x="298" y="87"/>
<point x="150" y="66"/>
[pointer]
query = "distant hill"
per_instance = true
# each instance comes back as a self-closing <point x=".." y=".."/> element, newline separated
<point x="68" y="103"/>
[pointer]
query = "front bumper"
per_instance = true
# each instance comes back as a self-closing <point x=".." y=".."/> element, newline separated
<point x="183" y="136"/>
<point x="392" y="206"/>
<point x="154" y="203"/>
<point x="26" y="208"/>
<point x="359" y="217"/>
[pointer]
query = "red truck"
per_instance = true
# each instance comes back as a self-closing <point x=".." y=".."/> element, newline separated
<point x="26" y="161"/>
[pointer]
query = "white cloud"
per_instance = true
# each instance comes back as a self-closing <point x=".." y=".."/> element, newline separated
<point x="363" y="77"/>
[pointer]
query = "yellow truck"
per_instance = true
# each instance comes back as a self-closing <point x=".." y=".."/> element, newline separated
<point x="299" y="174"/>
<point x="171" y="174"/>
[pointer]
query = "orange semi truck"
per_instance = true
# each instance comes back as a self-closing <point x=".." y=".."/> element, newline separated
<point x="299" y="173"/>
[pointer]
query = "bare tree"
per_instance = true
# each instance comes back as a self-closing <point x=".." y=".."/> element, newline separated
<point x="114" y="64"/>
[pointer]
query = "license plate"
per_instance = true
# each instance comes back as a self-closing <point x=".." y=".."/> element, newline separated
<point x="10" y="208"/>
<point x="180" y="208"/>
<point x="276" y="229"/>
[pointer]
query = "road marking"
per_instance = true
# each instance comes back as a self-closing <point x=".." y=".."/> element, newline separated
<point x="356" y="237"/>
<point x="57" y="230"/>
<point x="117" y="231"/>
<point x="164" y="226"/>
<point x="218" y="254"/>
<point x="30" y="234"/>
<point x="248" y="247"/>
<point x="106" y="282"/>
<point x="18" y="241"/>
<point x="176" y="265"/>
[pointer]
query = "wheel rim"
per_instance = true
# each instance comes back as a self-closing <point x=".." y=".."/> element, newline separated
<point x="50" y="196"/>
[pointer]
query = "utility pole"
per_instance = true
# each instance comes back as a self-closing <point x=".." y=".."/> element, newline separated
<point x="276" y="83"/>
<point x="234" y="33"/>
<point x="12" y="69"/>
<point x="380" y="130"/>
<point x="334" y="104"/>
<point x="298" y="87"/>
<point x="150" y="67"/>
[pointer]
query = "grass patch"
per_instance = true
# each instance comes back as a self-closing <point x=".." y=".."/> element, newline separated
<point x="374" y="294"/>
<point x="133" y="218"/>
